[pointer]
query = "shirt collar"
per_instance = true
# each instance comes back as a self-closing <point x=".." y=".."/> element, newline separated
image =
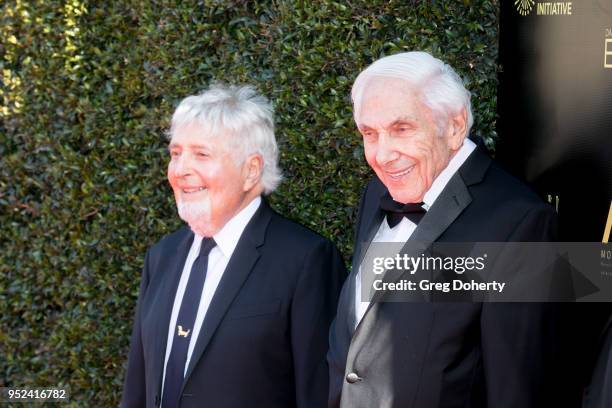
<point x="449" y="171"/>
<point x="228" y="236"/>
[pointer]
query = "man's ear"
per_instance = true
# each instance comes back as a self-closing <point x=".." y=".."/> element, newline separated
<point x="253" y="167"/>
<point x="457" y="129"/>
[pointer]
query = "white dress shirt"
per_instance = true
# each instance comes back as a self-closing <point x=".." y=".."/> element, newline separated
<point x="402" y="231"/>
<point x="226" y="240"/>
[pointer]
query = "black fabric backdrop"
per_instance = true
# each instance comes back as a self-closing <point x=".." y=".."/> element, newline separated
<point x="555" y="123"/>
<point x="555" y="106"/>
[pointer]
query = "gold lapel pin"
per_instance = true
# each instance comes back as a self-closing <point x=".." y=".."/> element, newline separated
<point x="183" y="333"/>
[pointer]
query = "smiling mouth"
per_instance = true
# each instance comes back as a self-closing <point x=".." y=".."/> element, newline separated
<point x="398" y="175"/>
<point x="192" y="190"/>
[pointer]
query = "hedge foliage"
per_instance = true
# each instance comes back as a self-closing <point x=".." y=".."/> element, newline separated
<point x="87" y="91"/>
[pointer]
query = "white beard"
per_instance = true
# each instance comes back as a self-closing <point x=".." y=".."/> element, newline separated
<point x="196" y="214"/>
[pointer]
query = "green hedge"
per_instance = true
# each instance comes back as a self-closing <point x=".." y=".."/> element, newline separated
<point x="87" y="91"/>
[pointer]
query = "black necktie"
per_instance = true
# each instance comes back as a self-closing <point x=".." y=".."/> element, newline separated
<point x="396" y="211"/>
<point x="175" y="368"/>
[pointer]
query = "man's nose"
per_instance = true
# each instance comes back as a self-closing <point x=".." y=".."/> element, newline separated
<point x="182" y="165"/>
<point x="385" y="151"/>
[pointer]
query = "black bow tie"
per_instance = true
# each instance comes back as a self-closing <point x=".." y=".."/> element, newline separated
<point x="396" y="211"/>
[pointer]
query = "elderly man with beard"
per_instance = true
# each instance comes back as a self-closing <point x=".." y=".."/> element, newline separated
<point x="234" y="309"/>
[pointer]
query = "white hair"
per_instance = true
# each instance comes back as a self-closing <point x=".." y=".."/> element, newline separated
<point x="243" y="114"/>
<point x="439" y="86"/>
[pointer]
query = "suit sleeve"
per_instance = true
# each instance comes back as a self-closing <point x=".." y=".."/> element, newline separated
<point x="134" y="389"/>
<point x="313" y="307"/>
<point x="520" y="341"/>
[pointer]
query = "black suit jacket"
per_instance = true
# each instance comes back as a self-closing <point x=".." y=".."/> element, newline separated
<point x="434" y="355"/>
<point x="264" y="338"/>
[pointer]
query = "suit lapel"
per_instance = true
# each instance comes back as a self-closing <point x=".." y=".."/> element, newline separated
<point x="451" y="202"/>
<point x="365" y="239"/>
<point x="445" y="210"/>
<point x="236" y="273"/>
<point x="364" y="243"/>
<point x="164" y="301"/>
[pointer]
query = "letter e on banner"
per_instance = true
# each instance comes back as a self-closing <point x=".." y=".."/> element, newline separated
<point x="608" y="53"/>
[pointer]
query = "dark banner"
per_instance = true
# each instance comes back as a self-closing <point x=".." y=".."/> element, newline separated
<point x="555" y="108"/>
<point x="555" y="129"/>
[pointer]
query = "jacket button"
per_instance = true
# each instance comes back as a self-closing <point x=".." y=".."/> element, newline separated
<point x="352" y="378"/>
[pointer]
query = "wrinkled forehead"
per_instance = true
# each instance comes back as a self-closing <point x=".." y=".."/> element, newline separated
<point x="375" y="86"/>
<point x="393" y="96"/>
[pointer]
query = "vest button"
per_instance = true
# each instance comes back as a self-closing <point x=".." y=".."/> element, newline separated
<point x="352" y="378"/>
